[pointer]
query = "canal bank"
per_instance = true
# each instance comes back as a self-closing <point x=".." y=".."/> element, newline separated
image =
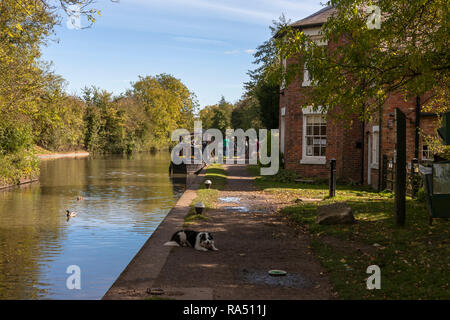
<point x="144" y="268"/>
<point x="50" y="156"/>
<point x="46" y="156"/>
<point x="22" y="181"/>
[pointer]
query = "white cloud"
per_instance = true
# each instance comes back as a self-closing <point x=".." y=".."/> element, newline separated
<point x="250" y="51"/>
<point x="236" y="51"/>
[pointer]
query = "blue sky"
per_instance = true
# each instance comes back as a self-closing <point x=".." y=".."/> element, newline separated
<point x="208" y="44"/>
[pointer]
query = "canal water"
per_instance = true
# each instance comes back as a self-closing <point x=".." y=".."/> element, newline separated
<point x="125" y="199"/>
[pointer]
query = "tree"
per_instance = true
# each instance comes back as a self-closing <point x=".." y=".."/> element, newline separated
<point x="265" y="80"/>
<point x="408" y="54"/>
<point x="217" y="116"/>
<point x="105" y="122"/>
<point x="168" y="104"/>
<point x="246" y="114"/>
<point x="206" y="116"/>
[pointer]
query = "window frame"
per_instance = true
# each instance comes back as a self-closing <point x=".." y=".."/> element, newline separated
<point x="312" y="159"/>
<point x="315" y="35"/>
<point x="428" y="151"/>
<point x="306" y="78"/>
<point x="284" y="70"/>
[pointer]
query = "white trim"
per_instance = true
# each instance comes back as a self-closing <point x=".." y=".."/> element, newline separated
<point x="315" y="35"/>
<point x="306" y="80"/>
<point x="284" y="68"/>
<point x="423" y="152"/>
<point x="312" y="31"/>
<point x="311" y="159"/>
<point x="282" y="129"/>
<point x="375" y="143"/>
<point x="314" y="160"/>
<point x="310" y="110"/>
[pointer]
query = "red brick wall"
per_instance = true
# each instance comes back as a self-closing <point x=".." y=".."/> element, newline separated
<point x="342" y="140"/>
<point x="408" y="106"/>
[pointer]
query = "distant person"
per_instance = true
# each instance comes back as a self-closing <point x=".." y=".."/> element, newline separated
<point x="226" y="143"/>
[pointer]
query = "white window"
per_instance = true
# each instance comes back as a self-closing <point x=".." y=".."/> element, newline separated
<point x="375" y="147"/>
<point x="284" y="67"/>
<point x="306" y="77"/>
<point x="427" y="154"/>
<point x="314" y="137"/>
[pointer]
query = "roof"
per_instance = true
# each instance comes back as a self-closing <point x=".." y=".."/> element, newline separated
<point x="316" y="19"/>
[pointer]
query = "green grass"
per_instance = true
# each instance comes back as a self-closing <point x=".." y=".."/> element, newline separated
<point x="317" y="190"/>
<point x="217" y="175"/>
<point x="414" y="259"/>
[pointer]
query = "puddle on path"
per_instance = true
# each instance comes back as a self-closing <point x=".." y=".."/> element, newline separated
<point x="238" y="209"/>
<point x="291" y="280"/>
<point x="230" y="199"/>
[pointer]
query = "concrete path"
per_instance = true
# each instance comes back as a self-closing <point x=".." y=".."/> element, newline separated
<point x="252" y="239"/>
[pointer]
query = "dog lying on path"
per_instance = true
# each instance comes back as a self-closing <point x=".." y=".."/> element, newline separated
<point x="202" y="241"/>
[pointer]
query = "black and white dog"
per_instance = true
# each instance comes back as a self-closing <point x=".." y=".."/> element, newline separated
<point x="202" y="241"/>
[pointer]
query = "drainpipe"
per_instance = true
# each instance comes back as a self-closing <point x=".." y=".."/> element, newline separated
<point x="362" y="152"/>
<point x="380" y="136"/>
<point x="416" y="147"/>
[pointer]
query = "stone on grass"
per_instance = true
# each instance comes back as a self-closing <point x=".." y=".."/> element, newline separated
<point x="336" y="213"/>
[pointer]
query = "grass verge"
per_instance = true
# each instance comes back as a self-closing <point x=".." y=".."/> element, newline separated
<point x="414" y="260"/>
<point x="217" y="175"/>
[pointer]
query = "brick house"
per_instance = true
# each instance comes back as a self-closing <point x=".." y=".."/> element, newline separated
<point x="308" y="141"/>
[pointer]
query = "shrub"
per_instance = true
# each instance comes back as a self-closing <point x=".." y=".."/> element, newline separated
<point x="285" y="175"/>
<point x="421" y="195"/>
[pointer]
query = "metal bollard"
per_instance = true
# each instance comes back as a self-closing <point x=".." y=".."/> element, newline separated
<point x="332" y="178"/>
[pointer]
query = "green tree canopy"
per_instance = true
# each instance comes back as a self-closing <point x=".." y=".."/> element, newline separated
<point x="217" y="116"/>
<point x="407" y="54"/>
<point x="266" y="78"/>
<point x="168" y="103"/>
<point x="246" y="114"/>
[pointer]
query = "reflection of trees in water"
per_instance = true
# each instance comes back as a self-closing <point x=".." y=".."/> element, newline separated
<point x="139" y="184"/>
<point x="32" y="221"/>
<point x="26" y="232"/>
<point x="179" y="182"/>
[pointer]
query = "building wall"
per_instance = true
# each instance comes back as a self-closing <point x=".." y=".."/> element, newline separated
<point x="347" y="143"/>
<point x="341" y="139"/>
<point x="387" y="129"/>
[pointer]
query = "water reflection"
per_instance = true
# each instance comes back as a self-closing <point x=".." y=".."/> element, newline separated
<point x="124" y="200"/>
